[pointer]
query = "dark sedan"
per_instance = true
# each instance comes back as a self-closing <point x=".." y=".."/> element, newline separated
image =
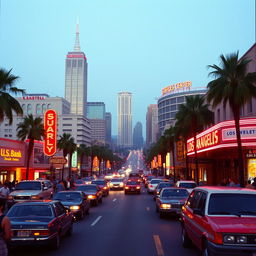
<point x="76" y="201"/>
<point x="40" y="223"/>
<point x="93" y="192"/>
<point x="171" y="200"/>
<point x="160" y="186"/>
<point x="103" y="184"/>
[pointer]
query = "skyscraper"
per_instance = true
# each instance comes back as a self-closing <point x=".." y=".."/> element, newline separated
<point x="137" y="136"/>
<point x="76" y="78"/>
<point x="108" y="118"/>
<point x="124" y="119"/>
<point x="151" y="124"/>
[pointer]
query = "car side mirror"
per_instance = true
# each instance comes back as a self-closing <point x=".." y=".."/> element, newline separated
<point x="198" y="212"/>
<point x="45" y="188"/>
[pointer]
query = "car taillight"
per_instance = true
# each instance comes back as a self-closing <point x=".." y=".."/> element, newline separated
<point x="41" y="232"/>
<point x="151" y="186"/>
<point x="138" y="187"/>
<point x="126" y="187"/>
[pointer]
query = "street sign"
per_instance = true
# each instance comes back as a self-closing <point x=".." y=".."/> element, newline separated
<point x="58" y="160"/>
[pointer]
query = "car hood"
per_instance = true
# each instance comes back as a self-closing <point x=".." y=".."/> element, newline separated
<point x="90" y="192"/>
<point x="33" y="222"/>
<point x="25" y="192"/>
<point x="233" y="224"/>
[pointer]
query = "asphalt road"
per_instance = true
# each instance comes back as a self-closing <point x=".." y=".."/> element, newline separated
<point x="123" y="225"/>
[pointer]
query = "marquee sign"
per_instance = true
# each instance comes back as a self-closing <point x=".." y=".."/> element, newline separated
<point x="246" y="133"/>
<point x="50" y="127"/>
<point x="176" y="87"/>
<point x="33" y="97"/>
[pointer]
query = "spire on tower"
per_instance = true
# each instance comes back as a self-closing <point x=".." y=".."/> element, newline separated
<point x="77" y="42"/>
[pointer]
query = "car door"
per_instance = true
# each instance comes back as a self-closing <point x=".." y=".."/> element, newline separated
<point x="86" y="203"/>
<point x="63" y="217"/>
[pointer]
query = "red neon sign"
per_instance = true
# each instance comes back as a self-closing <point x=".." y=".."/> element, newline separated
<point x="50" y="127"/>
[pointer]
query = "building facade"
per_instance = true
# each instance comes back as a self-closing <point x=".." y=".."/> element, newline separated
<point x="168" y="105"/>
<point x="137" y="136"/>
<point x="76" y="79"/>
<point x="151" y="124"/>
<point x="96" y="113"/>
<point x="108" y="118"/>
<point x="124" y="110"/>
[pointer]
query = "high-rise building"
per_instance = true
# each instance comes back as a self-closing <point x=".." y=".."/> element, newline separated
<point x="95" y="112"/>
<point x="76" y="78"/>
<point x="151" y="124"/>
<point x="108" y="119"/>
<point x="137" y="136"/>
<point x="124" y="119"/>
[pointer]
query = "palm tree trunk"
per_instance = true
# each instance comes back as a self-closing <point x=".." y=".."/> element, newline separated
<point x="196" y="161"/>
<point x="30" y="150"/>
<point x="69" y="164"/>
<point x="239" y="147"/>
<point x="81" y="163"/>
<point x="174" y="167"/>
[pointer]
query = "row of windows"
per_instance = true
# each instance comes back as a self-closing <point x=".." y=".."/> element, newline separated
<point x="172" y="101"/>
<point x="74" y="63"/>
<point x="40" y="108"/>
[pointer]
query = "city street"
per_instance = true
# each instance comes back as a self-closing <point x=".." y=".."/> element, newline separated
<point x="123" y="225"/>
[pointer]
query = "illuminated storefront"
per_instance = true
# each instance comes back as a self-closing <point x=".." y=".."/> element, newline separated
<point x="217" y="151"/>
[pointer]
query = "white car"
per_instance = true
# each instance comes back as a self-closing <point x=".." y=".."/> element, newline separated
<point x="188" y="184"/>
<point x="152" y="185"/>
<point x="116" y="183"/>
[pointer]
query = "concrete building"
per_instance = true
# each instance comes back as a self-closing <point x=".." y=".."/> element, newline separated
<point x="108" y="118"/>
<point x="96" y="113"/>
<point x="168" y="104"/>
<point x="151" y="124"/>
<point x="137" y="136"/>
<point x="36" y="104"/>
<point x="124" y="110"/>
<point x="76" y="79"/>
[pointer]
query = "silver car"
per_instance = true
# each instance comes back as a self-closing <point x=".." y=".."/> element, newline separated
<point x="152" y="185"/>
<point x="116" y="184"/>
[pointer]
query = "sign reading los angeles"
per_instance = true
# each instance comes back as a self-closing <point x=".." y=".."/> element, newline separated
<point x="50" y="127"/>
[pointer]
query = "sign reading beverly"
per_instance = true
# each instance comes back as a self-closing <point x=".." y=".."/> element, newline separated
<point x="50" y="127"/>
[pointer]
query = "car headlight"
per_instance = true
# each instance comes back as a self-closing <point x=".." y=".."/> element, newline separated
<point x="91" y="197"/>
<point x="241" y="239"/>
<point x="111" y="185"/>
<point x="10" y="197"/>
<point x="74" y="207"/>
<point x="35" y="197"/>
<point x="165" y="206"/>
<point x="121" y="184"/>
<point x="229" y="239"/>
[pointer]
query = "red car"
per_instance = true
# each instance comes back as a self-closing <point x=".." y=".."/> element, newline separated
<point x="103" y="186"/>
<point x="132" y="186"/>
<point x="220" y="221"/>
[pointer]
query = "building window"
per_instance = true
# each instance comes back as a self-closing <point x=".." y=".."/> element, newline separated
<point x="68" y="63"/>
<point x="43" y="108"/>
<point x="80" y="63"/>
<point x="74" y="63"/>
<point x="38" y="109"/>
<point x="29" y="109"/>
<point x="173" y="107"/>
<point x="67" y="124"/>
<point x="49" y="106"/>
<point x="180" y="99"/>
<point x="67" y="118"/>
<point x="173" y="101"/>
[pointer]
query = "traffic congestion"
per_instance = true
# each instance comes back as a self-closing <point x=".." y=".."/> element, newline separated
<point x="143" y="215"/>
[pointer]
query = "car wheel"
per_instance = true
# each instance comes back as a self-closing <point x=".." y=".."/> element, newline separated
<point x="206" y="251"/>
<point x="70" y="230"/>
<point x="186" y="242"/>
<point x="56" y="242"/>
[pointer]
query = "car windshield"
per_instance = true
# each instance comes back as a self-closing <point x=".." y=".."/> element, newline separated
<point x="87" y="188"/>
<point x="30" y="210"/>
<point x="132" y="183"/>
<point x="175" y="193"/>
<point x="68" y="196"/>
<point x="165" y="185"/>
<point x="187" y="185"/>
<point x="98" y="182"/>
<point x="232" y="204"/>
<point x="79" y="182"/>
<point x="155" y="181"/>
<point x="29" y="185"/>
<point x="116" y="180"/>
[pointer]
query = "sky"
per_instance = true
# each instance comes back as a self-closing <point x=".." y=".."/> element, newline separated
<point x="140" y="46"/>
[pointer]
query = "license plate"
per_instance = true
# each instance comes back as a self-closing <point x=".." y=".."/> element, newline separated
<point x="23" y="233"/>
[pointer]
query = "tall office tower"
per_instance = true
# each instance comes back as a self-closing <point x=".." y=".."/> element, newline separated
<point x="151" y="124"/>
<point x="137" y="136"/>
<point x="108" y="119"/>
<point x="124" y="119"/>
<point x="76" y="78"/>
<point x="95" y="112"/>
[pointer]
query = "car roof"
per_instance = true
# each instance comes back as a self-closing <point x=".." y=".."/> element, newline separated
<point x="39" y="202"/>
<point x="174" y="188"/>
<point x="186" y="181"/>
<point x="223" y="189"/>
<point x="69" y="191"/>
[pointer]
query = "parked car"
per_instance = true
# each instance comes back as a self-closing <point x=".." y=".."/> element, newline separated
<point x="220" y="221"/>
<point x="132" y="186"/>
<point x="188" y="184"/>
<point x="31" y="190"/>
<point x="39" y="223"/>
<point x="152" y="185"/>
<point x="170" y="201"/>
<point x="103" y="184"/>
<point x="116" y="184"/>
<point x="93" y="192"/>
<point x="160" y="186"/>
<point x="76" y="201"/>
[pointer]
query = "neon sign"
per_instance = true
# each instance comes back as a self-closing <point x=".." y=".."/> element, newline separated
<point x="10" y="154"/>
<point x="176" y="87"/>
<point x="33" y="97"/>
<point x="50" y="127"/>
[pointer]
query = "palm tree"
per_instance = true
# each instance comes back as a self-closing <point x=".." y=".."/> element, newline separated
<point x="234" y="85"/>
<point x="67" y="144"/>
<point x="7" y="102"/>
<point x="83" y="151"/>
<point x="31" y="129"/>
<point x="194" y="114"/>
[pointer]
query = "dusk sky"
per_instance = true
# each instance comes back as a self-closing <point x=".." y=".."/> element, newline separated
<point x="138" y="46"/>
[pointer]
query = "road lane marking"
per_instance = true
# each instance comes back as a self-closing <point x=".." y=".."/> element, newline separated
<point x="114" y="199"/>
<point x="96" y="221"/>
<point x="148" y="208"/>
<point x="158" y="244"/>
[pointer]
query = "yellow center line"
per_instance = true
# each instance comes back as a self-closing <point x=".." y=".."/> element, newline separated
<point x="158" y="244"/>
